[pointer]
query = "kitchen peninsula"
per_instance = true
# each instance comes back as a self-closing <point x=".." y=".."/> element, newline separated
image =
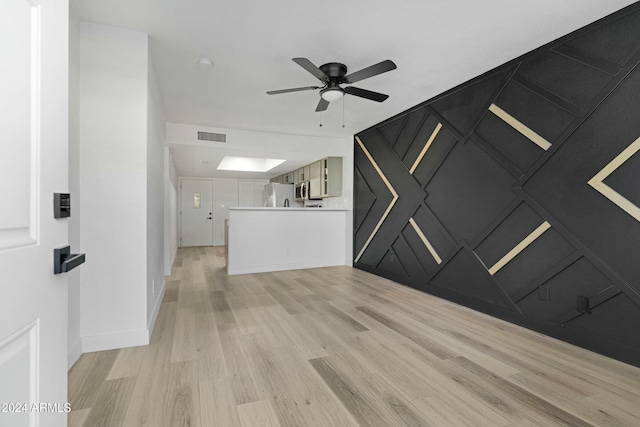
<point x="274" y="239"/>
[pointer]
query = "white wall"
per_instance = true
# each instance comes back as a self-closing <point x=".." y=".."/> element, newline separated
<point x="170" y="211"/>
<point x="155" y="196"/>
<point x="113" y="186"/>
<point x="74" y="343"/>
<point x="275" y="239"/>
<point x="346" y="200"/>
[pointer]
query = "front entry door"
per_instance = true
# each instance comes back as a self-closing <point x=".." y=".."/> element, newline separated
<point x="33" y="165"/>
<point x="196" y="207"/>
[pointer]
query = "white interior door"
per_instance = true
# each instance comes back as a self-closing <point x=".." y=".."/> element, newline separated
<point x="196" y="210"/>
<point x="225" y="195"/>
<point x="33" y="165"/>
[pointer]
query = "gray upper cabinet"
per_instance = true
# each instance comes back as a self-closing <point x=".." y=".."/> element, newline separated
<point x="288" y="178"/>
<point x="325" y="178"/>
<point x="331" y="176"/>
<point x="315" y="180"/>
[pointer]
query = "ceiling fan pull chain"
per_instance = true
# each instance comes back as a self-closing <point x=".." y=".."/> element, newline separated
<point x="343" y="101"/>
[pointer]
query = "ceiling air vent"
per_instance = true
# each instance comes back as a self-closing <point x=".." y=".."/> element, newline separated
<point x="210" y="136"/>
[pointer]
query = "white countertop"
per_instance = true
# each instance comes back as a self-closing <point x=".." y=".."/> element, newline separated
<point x="288" y="209"/>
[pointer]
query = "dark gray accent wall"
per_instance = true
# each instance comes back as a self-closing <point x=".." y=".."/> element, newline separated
<point x="500" y="206"/>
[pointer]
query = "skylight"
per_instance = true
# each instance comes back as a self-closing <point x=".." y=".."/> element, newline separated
<point x="248" y="164"/>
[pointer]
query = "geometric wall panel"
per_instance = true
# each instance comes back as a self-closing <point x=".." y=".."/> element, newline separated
<point x="616" y="42"/>
<point x="416" y="126"/>
<point x="440" y="146"/>
<point x="410" y="260"/>
<point x="463" y="108"/>
<point x="520" y="127"/>
<point x="534" y="260"/>
<point x="439" y="243"/>
<point x="618" y="319"/>
<point x="512" y="230"/>
<point x="508" y="142"/>
<point x="465" y="276"/>
<point x="623" y="179"/>
<point x="469" y="178"/>
<point x="426" y="260"/>
<point x="571" y="80"/>
<point x="579" y="278"/>
<point x="392" y="264"/>
<point x="517" y="193"/>
<point x="534" y="110"/>
<point x="366" y="199"/>
<point x="564" y="184"/>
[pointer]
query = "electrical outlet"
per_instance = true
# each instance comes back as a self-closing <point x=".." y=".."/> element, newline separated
<point x="583" y="304"/>
<point x="544" y="293"/>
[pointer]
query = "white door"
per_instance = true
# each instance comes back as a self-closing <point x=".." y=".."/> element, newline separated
<point x="225" y="195"/>
<point x="196" y="212"/>
<point x="33" y="165"/>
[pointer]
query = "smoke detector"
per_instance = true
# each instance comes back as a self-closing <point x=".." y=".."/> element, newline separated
<point x="205" y="64"/>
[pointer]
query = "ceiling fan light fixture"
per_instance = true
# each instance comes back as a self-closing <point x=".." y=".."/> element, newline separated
<point x="332" y="94"/>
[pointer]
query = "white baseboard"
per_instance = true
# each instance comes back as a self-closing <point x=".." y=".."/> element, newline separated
<point x="156" y="309"/>
<point x="173" y="259"/>
<point x="315" y="263"/>
<point x="74" y="353"/>
<point x="102" y="342"/>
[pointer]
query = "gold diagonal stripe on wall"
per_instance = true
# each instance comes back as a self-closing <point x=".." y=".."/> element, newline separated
<point x="426" y="242"/>
<point x="520" y="247"/>
<point x="520" y="127"/>
<point x="391" y="189"/>
<point x="617" y="198"/>
<point x="426" y="147"/>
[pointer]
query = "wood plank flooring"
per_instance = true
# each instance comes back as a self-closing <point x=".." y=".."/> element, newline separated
<point x="339" y="347"/>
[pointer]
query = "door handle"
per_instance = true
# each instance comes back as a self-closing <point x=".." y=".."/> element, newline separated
<point x="208" y="217"/>
<point x="64" y="260"/>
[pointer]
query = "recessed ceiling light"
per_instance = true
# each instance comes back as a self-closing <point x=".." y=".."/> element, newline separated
<point x="205" y="64"/>
<point x="248" y="164"/>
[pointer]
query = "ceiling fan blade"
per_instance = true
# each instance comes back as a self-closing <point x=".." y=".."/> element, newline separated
<point x="296" y="89"/>
<point x="374" y="70"/>
<point x="308" y="65"/>
<point x="322" y="105"/>
<point x="363" y="93"/>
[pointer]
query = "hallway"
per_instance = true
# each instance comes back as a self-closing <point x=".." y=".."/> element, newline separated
<point x="339" y="347"/>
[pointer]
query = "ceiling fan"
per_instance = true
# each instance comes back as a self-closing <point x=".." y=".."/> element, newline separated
<point x="333" y="74"/>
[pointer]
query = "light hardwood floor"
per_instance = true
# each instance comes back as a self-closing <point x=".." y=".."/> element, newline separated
<point x="339" y="347"/>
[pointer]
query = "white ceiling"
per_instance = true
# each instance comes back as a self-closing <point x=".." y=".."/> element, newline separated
<point x="436" y="44"/>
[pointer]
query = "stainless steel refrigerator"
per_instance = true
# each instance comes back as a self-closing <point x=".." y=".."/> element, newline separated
<point x="277" y="195"/>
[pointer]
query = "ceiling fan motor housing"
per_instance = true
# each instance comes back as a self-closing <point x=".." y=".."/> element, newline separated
<point x="335" y="71"/>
